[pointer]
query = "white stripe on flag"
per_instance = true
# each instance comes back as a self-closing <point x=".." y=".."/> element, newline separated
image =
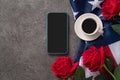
<point x="115" y="49"/>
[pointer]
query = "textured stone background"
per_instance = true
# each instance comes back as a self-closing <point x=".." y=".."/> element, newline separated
<point x="23" y="53"/>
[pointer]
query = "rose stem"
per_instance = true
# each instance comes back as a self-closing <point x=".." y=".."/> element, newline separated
<point x="109" y="72"/>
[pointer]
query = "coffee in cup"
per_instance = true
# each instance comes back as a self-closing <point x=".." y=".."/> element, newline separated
<point x="89" y="26"/>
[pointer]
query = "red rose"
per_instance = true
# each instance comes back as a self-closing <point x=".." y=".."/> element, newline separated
<point x="94" y="58"/>
<point x="64" y="67"/>
<point x="110" y="8"/>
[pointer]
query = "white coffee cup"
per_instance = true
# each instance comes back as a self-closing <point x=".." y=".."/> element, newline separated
<point x="88" y="27"/>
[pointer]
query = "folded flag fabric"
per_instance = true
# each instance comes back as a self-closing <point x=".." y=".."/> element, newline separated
<point x="95" y="6"/>
<point x="85" y="6"/>
<point x="109" y="36"/>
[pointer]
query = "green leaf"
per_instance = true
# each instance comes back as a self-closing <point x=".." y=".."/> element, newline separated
<point x="102" y="77"/>
<point x="79" y="74"/>
<point x="109" y="64"/>
<point x="116" y="28"/>
<point x="117" y="73"/>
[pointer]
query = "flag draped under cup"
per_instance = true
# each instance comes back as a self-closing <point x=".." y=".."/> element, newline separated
<point x="109" y="36"/>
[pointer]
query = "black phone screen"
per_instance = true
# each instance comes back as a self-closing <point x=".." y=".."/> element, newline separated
<point x="57" y="33"/>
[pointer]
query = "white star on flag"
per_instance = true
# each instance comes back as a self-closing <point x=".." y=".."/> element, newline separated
<point x="75" y="13"/>
<point x="95" y="4"/>
<point x="100" y="15"/>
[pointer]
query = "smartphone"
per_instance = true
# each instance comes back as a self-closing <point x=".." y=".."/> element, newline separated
<point x="57" y="33"/>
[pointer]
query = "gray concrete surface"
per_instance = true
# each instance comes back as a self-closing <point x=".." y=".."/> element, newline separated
<point x="23" y="53"/>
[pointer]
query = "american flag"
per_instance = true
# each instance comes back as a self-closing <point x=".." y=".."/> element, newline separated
<point x="86" y="6"/>
<point x="109" y="36"/>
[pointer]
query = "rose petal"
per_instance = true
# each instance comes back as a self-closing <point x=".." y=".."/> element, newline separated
<point x="110" y="8"/>
<point x="94" y="58"/>
<point x="63" y="66"/>
<point x="74" y="67"/>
